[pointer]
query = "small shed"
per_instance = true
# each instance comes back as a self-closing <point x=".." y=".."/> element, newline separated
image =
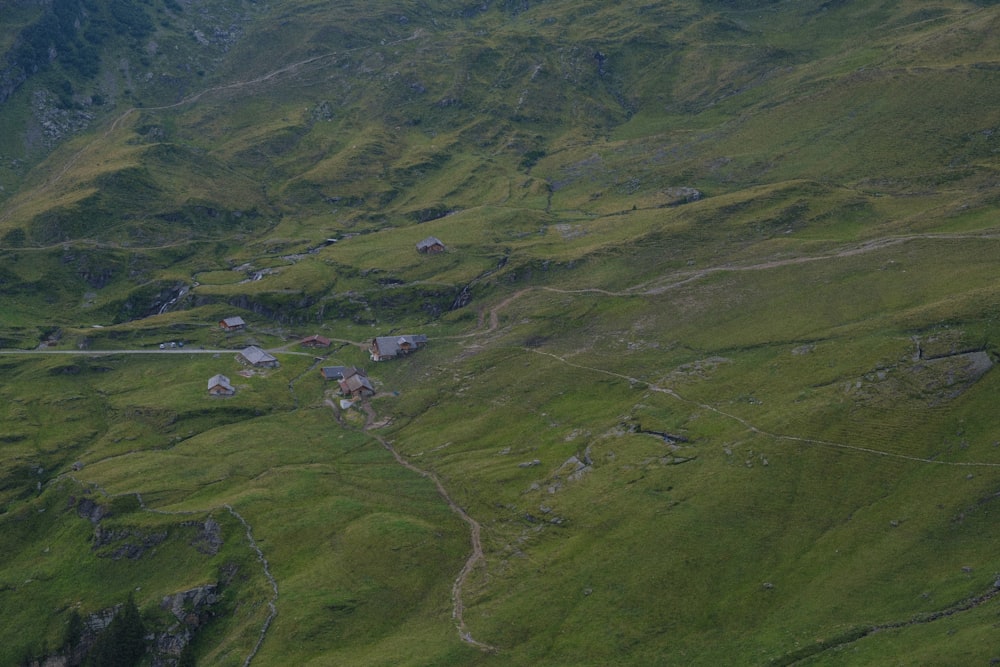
<point x="315" y="341"/>
<point x="390" y="347"/>
<point x="431" y="245"/>
<point x="235" y="323"/>
<point x="219" y="385"/>
<point x="254" y="356"/>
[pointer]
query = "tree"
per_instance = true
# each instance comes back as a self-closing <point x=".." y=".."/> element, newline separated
<point x="15" y="238"/>
<point x="74" y="631"/>
<point x="187" y="657"/>
<point x="123" y="642"/>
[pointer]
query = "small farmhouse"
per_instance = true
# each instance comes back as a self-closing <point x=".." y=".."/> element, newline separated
<point x="430" y="245"/>
<point x="219" y="385"/>
<point x="390" y="347"/>
<point x="254" y="356"/>
<point x="315" y="341"/>
<point x="232" y="323"/>
<point x="356" y="384"/>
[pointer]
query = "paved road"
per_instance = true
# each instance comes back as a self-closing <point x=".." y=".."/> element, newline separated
<point x="186" y="350"/>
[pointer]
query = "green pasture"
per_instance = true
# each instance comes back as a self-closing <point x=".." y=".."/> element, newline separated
<point x="753" y="426"/>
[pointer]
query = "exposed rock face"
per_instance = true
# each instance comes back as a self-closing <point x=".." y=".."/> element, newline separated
<point x="932" y="379"/>
<point x="192" y="609"/>
<point x="88" y="509"/>
<point x="56" y="123"/>
<point x="209" y="539"/>
<point x="948" y="376"/>
<point x="186" y="604"/>
<point x="95" y="623"/>
<point x="463" y="299"/>
<point x="133" y="543"/>
<point x="681" y="195"/>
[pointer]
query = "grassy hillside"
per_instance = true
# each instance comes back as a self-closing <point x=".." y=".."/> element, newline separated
<point x="709" y="377"/>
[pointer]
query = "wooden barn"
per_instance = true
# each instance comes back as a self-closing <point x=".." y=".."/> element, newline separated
<point x="390" y="347"/>
<point x="258" y="358"/>
<point x="219" y="385"/>
<point x="232" y="323"/>
<point x="431" y="245"/>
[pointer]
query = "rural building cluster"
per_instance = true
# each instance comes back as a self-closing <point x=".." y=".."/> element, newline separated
<point x="353" y="382"/>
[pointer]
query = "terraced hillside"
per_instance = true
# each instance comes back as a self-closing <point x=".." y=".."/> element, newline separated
<point x="709" y="365"/>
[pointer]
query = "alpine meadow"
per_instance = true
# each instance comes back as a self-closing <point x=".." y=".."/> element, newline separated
<point x="499" y="333"/>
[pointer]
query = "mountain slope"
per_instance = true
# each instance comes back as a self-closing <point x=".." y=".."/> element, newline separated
<point x="710" y="366"/>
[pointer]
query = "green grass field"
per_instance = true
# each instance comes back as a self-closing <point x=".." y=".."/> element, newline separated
<point x="709" y="377"/>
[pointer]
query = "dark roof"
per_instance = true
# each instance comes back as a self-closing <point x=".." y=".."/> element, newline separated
<point x="341" y="372"/>
<point x="333" y="372"/>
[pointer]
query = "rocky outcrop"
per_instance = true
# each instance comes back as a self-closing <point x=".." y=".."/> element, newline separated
<point x="55" y="122"/>
<point x="86" y="508"/>
<point x="191" y="609"/>
<point x="681" y="195"/>
<point x="152" y="299"/>
<point x="11" y="79"/>
<point x="209" y="538"/>
<point x="130" y="543"/>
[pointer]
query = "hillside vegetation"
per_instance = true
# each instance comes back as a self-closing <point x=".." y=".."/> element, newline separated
<point x="709" y="374"/>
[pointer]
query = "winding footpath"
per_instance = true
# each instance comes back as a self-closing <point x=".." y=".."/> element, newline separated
<point x="108" y="353"/>
<point x="654" y="287"/>
<point x="272" y="604"/>
<point x="922" y="619"/>
<point x="475" y="529"/>
<point x="677" y="279"/>
<point x="757" y="430"/>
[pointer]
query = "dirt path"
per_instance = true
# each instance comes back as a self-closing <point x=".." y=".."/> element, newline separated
<point x="677" y="279"/>
<point x="807" y="653"/>
<point x="759" y="431"/>
<point x="680" y="278"/>
<point x="180" y="351"/>
<point x="494" y="316"/>
<point x="644" y="289"/>
<point x="495" y="312"/>
<point x="475" y="529"/>
<point x="272" y="604"/>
